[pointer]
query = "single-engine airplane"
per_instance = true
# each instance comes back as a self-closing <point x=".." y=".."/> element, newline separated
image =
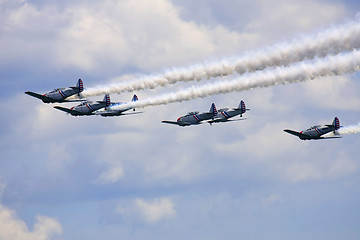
<point x="87" y="108"/>
<point x="95" y="108"/>
<point x="194" y="118"/>
<point x="109" y="111"/>
<point x="225" y="114"/>
<point x="316" y="132"/>
<point x="60" y="94"/>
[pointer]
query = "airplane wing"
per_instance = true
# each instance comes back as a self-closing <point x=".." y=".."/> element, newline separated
<point x="225" y="120"/>
<point x="130" y="113"/>
<point x="112" y="113"/>
<point x="67" y="110"/>
<point x="47" y="99"/>
<point x="39" y="96"/>
<point x="298" y="134"/>
<point x="330" y="137"/>
<point x="75" y="100"/>
<point x="170" y="122"/>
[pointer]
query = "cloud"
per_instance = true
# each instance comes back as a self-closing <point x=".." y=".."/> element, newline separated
<point x="278" y="144"/>
<point x="337" y="93"/>
<point x="137" y="154"/>
<point x="113" y="174"/>
<point x="11" y="227"/>
<point x="149" y="211"/>
<point x="271" y="199"/>
<point x="333" y="168"/>
<point x="127" y="34"/>
<point x="292" y="16"/>
<point x="156" y="210"/>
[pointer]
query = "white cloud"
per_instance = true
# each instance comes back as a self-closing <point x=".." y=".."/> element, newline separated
<point x="325" y="169"/>
<point x="11" y="227"/>
<point x="156" y="210"/>
<point x="149" y="211"/>
<point x="271" y="199"/>
<point x="269" y="141"/>
<point x="113" y="174"/>
<point x="344" y="166"/>
<point x="338" y="93"/>
<point x="126" y="33"/>
<point x="294" y="16"/>
<point x="109" y="35"/>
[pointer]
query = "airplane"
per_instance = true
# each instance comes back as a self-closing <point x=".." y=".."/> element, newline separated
<point x="316" y="132"/>
<point x="95" y="108"/>
<point x="87" y="108"/>
<point x="110" y="112"/>
<point x="194" y="118"/>
<point x="225" y="114"/>
<point x="60" y="94"/>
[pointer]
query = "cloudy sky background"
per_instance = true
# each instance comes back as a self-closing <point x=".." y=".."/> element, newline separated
<point x="64" y="177"/>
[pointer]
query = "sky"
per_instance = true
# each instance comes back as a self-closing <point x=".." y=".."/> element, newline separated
<point x="132" y="177"/>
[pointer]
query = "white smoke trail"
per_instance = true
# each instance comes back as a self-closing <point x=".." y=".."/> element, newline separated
<point x="349" y="130"/>
<point x="330" y="41"/>
<point x="299" y="72"/>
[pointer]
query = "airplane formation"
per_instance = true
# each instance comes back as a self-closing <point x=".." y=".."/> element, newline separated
<point x="86" y="108"/>
<point x="106" y="108"/>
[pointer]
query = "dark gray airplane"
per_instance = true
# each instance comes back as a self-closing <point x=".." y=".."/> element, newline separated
<point x="86" y="108"/>
<point x="60" y="94"/>
<point x="316" y="132"/>
<point x="225" y="114"/>
<point x="194" y="118"/>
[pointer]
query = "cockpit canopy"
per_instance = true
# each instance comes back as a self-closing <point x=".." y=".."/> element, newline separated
<point x="192" y="113"/>
<point x="223" y="109"/>
<point x="313" y="127"/>
<point x="84" y="103"/>
<point x="57" y="89"/>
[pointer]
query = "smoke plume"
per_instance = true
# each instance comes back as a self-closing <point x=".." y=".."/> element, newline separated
<point x="299" y="72"/>
<point x="331" y="41"/>
<point x="349" y="130"/>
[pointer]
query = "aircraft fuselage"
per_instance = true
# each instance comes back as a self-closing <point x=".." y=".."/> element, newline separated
<point x="316" y="132"/>
<point x="223" y="116"/>
<point x="87" y="108"/>
<point x="193" y="119"/>
<point x="59" y="95"/>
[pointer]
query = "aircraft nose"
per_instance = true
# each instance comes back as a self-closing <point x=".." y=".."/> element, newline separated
<point x="178" y="119"/>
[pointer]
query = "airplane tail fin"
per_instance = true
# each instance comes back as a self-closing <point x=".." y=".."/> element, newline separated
<point x="336" y="123"/>
<point x="134" y="99"/>
<point x="107" y="100"/>
<point x="80" y="85"/>
<point x="242" y="108"/>
<point x="213" y="110"/>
